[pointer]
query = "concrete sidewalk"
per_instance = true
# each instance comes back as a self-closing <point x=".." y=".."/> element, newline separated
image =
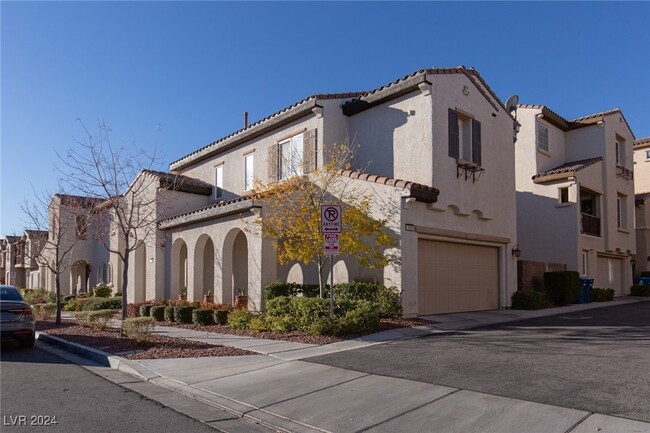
<point x="278" y="390"/>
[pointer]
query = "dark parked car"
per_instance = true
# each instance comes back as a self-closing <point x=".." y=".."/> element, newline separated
<point x="16" y="318"/>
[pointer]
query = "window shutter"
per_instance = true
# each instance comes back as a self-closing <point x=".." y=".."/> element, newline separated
<point x="476" y="142"/>
<point x="309" y="151"/>
<point x="272" y="160"/>
<point x="454" y="135"/>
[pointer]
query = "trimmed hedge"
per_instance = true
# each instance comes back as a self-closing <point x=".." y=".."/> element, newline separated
<point x="278" y="288"/>
<point x="562" y="287"/>
<point x="44" y="311"/>
<point x="145" y="310"/>
<point x="102" y="292"/>
<point x="640" y="290"/>
<point x="530" y="300"/>
<point x="240" y="318"/>
<point x="602" y="295"/>
<point x="183" y="313"/>
<point x="169" y="313"/>
<point x="102" y="304"/>
<point x="203" y="316"/>
<point x="157" y="312"/>
<point x="220" y="316"/>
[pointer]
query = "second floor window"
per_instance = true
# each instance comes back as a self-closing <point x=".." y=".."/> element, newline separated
<point x="248" y="172"/>
<point x="542" y="137"/>
<point x="218" y="181"/>
<point x="291" y="157"/>
<point x="82" y="227"/>
<point x="464" y="137"/>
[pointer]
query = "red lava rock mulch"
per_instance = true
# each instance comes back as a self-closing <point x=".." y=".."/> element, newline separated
<point x="160" y="346"/>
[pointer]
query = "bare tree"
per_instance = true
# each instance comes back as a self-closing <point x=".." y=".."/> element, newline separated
<point x="57" y="214"/>
<point x="118" y="175"/>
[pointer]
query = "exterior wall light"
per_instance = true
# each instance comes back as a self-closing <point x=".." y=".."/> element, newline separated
<point x="409" y="227"/>
<point x="516" y="251"/>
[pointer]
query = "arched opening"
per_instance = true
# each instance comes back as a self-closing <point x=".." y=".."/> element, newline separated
<point x="140" y="280"/>
<point x="79" y="273"/>
<point x="178" y="268"/>
<point x="235" y="265"/>
<point x="204" y="264"/>
<point x="295" y="274"/>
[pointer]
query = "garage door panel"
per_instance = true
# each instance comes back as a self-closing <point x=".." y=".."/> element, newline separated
<point x="610" y="274"/>
<point x="455" y="277"/>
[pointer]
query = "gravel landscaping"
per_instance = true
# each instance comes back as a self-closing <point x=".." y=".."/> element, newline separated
<point x="161" y="347"/>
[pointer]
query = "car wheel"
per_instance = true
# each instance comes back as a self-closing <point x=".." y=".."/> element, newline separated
<point x="28" y="342"/>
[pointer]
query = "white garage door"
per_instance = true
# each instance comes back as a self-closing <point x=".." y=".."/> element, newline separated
<point x="610" y="274"/>
<point x="454" y="277"/>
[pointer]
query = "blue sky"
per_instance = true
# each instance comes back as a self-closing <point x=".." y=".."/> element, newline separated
<point x="181" y="74"/>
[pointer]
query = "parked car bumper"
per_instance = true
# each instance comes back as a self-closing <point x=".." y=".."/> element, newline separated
<point x="17" y="331"/>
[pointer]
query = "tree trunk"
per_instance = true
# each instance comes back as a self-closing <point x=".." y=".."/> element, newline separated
<point x="125" y="281"/>
<point x="57" y="283"/>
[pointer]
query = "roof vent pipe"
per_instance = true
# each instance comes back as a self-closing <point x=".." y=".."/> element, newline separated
<point x="245" y="119"/>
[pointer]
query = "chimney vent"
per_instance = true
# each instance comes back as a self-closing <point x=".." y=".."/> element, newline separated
<point x="245" y="119"/>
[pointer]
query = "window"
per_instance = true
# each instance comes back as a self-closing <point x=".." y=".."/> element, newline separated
<point x="621" y="211"/>
<point x="218" y="181"/>
<point x="585" y="263"/>
<point x="82" y="227"/>
<point x="564" y="195"/>
<point x="291" y="157"/>
<point x="647" y="155"/>
<point x="248" y="172"/>
<point x="619" y="148"/>
<point x="542" y="137"/>
<point x="464" y="137"/>
<point x="590" y="210"/>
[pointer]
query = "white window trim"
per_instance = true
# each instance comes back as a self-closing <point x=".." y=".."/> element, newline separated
<point x="249" y="177"/>
<point x="295" y="167"/>
<point x="218" y="186"/>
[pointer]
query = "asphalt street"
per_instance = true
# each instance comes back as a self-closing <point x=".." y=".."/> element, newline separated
<point x="596" y="360"/>
<point x="39" y="386"/>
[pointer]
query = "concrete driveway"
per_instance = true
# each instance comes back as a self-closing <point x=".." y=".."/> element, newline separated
<point x="595" y="360"/>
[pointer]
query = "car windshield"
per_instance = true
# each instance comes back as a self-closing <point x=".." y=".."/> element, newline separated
<point x="9" y="294"/>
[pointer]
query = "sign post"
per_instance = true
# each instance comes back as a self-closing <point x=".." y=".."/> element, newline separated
<point x="330" y="226"/>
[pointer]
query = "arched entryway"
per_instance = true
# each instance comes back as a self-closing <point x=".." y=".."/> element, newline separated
<point x="140" y="280"/>
<point x="79" y="274"/>
<point x="203" y="267"/>
<point x="235" y="265"/>
<point x="178" y="267"/>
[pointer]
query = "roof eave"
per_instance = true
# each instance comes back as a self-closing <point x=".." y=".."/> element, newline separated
<point x="384" y="95"/>
<point x="301" y="110"/>
<point x="554" y="177"/>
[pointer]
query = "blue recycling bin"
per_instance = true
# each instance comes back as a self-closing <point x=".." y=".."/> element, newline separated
<point x="584" y="292"/>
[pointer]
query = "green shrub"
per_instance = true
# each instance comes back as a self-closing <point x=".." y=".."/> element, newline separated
<point x="139" y="328"/>
<point x="118" y="294"/>
<point x="83" y="295"/>
<point x="102" y="304"/>
<point x="364" y="318"/>
<point x="145" y="310"/>
<point x="279" y="306"/>
<point x="221" y="316"/>
<point x="183" y="313"/>
<point x="102" y="292"/>
<point x="169" y="313"/>
<point x="44" y="311"/>
<point x="530" y="300"/>
<point x="602" y="295"/>
<point x="306" y="311"/>
<point x="70" y="305"/>
<point x="38" y="296"/>
<point x="325" y="326"/>
<point x="203" y="316"/>
<point x="99" y="319"/>
<point x="562" y="287"/>
<point x="278" y="288"/>
<point x="157" y="312"/>
<point x="67" y="298"/>
<point x="240" y="318"/>
<point x="640" y="290"/>
<point x="260" y="324"/>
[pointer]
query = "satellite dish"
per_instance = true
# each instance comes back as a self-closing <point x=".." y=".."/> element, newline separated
<point x="512" y="102"/>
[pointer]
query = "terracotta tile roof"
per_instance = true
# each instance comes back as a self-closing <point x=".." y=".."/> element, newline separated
<point x="421" y="192"/>
<point x="569" y="167"/>
<point x="579" y="122"/>
<point x="203" y="213"/>
<point x="357" y="105"/>
<point x="641" y="197"/>
<point x="304" y="105"/>
<point x="178" y="182"/>
<point x="642" y="142"/>
<point x="78" y="200"/>
<point x="215" y="144"/>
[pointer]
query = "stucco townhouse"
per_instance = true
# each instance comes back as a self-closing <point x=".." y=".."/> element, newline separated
<point x="575" y="197"/>
<point x="436" y="147"/>
<point x="642" y="204"/>
<point x="19" y="265"/>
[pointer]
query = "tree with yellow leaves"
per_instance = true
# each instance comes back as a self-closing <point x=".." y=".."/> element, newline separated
<point x="291" y="215"/>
